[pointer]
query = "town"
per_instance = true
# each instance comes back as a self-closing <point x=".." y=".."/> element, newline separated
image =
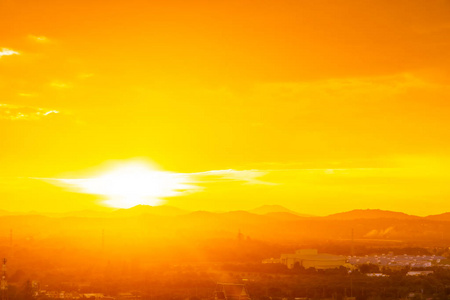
<point x="305" y="274"/>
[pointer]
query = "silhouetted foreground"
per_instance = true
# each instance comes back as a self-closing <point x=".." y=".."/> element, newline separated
<point x="184" y="256"/>
<point x="199" y="282"/>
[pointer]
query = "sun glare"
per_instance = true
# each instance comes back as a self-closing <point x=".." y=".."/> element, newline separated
<point x="132" y="184"/>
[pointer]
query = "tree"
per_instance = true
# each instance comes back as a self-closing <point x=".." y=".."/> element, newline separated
<point x="27" y="291"/>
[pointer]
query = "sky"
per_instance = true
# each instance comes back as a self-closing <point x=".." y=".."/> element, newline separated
<point x="319" y="106"/>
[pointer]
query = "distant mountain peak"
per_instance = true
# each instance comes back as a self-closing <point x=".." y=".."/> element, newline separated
<point x="370" y="214"/>
<point x="275" y="208"/>
<point x="161" y="210"/>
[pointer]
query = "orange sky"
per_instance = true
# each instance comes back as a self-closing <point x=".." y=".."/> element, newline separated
<point x="333" y="105"/>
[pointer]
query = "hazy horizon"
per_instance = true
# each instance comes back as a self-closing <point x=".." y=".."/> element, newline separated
<point x="274" y="208"/>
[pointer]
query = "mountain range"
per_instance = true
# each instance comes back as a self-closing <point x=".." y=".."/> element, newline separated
<point x="148" y="226"/>
<point x="274" y="211"/>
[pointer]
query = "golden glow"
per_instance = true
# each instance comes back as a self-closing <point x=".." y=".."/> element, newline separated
<point x="321" y="106"/>
<point x="132" y="184"/>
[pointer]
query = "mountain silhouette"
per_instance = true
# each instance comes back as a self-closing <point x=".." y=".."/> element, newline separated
<point x="162" y="210"/>
<point x="149" y="223"/>
<point x="370" y="214"/>
<point x="440" y="217"/>
<point x="266" y="209"/>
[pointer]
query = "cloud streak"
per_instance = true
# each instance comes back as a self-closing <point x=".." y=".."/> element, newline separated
<point x="230" y="175"/>
<point x="8" y="52"/>
<point x="24" y="113"/>
<point x="38" y="39"/>
<point x="59" y="85"/>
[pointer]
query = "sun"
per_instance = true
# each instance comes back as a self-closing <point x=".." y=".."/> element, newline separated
<point x="132" y="184"/>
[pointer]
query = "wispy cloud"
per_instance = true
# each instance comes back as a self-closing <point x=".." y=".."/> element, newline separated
<point x="51" y="112"/>
<point x="85" y="75"/>
<point x="18" y="113"/>
<point x="341" y="90"/>
<point x="8" y="52"/>
<point x="244" y="176"/>
<point x="26" y="95"/>
<point x="59" y="85"/>
<point x="39" y="39"/>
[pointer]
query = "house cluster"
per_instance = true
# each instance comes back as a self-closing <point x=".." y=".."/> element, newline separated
<point x="310" y="258"/>
<point x="410" y="273"/>
<point x="389" y="260"/>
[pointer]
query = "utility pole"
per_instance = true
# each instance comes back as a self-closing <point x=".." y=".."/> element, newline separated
<point x="353" y="242"/>
<point x="4" y="283"/>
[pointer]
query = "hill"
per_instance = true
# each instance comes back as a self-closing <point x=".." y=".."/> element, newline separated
<point x="370" y="214"/>
<point x="440" y="217"/>
<point x="284" y="216"/>
<point x="266" y="209"/>
<point x="163" y="210"/>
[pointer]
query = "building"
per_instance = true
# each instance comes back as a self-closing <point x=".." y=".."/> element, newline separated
<point x="272" y="261"/>
<point x="231" y="291"/>
<point x="376" y="275"/>
<point x="419" y="273"/>
<point x="310" y="258"/>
